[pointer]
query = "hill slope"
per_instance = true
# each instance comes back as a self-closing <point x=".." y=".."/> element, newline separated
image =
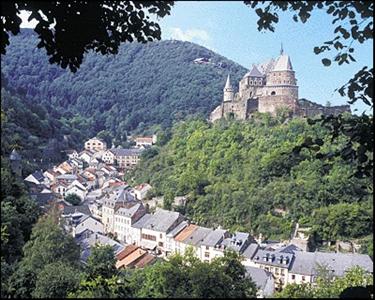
<point x="242" y="175"/>
<point x="144" y="85"/>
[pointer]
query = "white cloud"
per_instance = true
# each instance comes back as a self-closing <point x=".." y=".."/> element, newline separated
<point x="194" y="35"/>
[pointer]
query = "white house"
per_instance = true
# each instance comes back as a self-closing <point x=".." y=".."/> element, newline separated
<point x="95" y="144"/>
<point x="108" y="157"/>
<point x="154" y="231"/>
<point x="116" y="198"/>
<point x="124" y="218"/>
<point x="208" y="249"/>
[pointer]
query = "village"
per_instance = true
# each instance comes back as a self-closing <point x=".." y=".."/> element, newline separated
<point x="111" y="212"/>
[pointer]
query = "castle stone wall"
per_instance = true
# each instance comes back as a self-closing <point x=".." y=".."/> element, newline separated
<point x="272" y="103"/>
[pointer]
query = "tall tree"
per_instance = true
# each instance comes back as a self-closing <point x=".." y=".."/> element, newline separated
<point x="48" y="244"/>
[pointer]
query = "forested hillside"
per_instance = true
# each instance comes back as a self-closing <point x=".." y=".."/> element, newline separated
<point x="143" y="85"/>
<point x="243" y="175"/>
<point x="41" y="136"/>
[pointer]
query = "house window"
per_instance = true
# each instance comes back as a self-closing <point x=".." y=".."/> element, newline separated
<point x="303" y="278"/>
<point x="282" y="271"/>
<point x="207" y="254"/>
<point x="160" y="244"/>
<point x="148" y="237"/>
<point x="293" y="277"/>
<point x="161" y="235"/>
<point x="273" y="93"/>
<point x="207" y="247"/>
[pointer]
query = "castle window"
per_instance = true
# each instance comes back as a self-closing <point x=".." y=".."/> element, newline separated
<point x="251" y="82"/>
<point x="273" y="93"/>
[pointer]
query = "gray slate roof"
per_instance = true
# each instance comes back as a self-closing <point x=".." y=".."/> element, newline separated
<point x="126" y="152"/>
<point x="38" y="175"/>
<point x="306" y="263"/>
<point x="80" y="208"/>
<point x="129" y="212"/>
<point x="260" y="255"/>
<point x="162" y="220"/>
<point x="259" y="276"/>
<point x="250" y="250"/>
<point x="142" y="221"/>
<point x="254" y="72"/>
<point x="214" y="237"/>
<point x="291" y="248"/>
<point x="178" y="229"/>
<point x="197" y="237"/>
<point x="237" y="242"/>
<point x="90" y="240"/>
<point x="71" y="177"/>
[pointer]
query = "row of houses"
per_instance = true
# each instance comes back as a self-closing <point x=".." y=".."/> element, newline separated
<point x="167" y="232"/>
<point x="96" y="144"/>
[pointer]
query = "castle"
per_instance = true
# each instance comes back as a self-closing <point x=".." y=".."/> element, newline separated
<point x="269" y="87"/>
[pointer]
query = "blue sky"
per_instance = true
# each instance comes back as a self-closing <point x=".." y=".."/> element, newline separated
<point x="230" y="29"/>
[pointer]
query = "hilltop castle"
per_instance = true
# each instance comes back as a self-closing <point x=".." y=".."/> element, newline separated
<point x="269" y="87"/>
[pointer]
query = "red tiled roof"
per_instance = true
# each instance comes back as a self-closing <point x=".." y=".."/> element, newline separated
<point x="144" y="261"/>
<point x="185" y="233"/>
<point x="127" y="250"/>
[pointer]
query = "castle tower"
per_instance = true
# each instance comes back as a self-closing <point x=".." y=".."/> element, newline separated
<point x="228" y="91"/>
<point x="15" y="162"/>
<point x="281" y="88"/>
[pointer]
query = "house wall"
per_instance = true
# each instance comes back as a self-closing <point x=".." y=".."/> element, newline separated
<point x="299" y="278"/>
<point x="108" y="218"/>
<point x="108" y="157"/>
<point x="122" y="226"/>
<point x="95" y="145"/>
<point x="281" y="275"/>
<point x="127" y="161"/>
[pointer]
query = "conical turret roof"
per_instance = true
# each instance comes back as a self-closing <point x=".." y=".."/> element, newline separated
<point x="227" y="84"/>
<point x="283" y="63"/>
<point x="14" y="155"/>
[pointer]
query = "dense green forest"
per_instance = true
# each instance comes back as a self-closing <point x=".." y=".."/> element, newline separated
<point x="143" y="85"/>
<point x="244" y="175"/>
<point x="41" y="136"/>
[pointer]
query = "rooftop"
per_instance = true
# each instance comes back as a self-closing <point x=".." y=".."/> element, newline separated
<point x="259" y="276"/>
<point x="140" y="223"/>
<point x="250" y="250"/>
<point x="283" y="63"/>
<point x="162" y="220"/>
<point x="186" y="232"/>
<point x="126" y="152"/>
<point x="306" y="263"/>
<point x="197" y="236"/>
<point x="214" y="237"/>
